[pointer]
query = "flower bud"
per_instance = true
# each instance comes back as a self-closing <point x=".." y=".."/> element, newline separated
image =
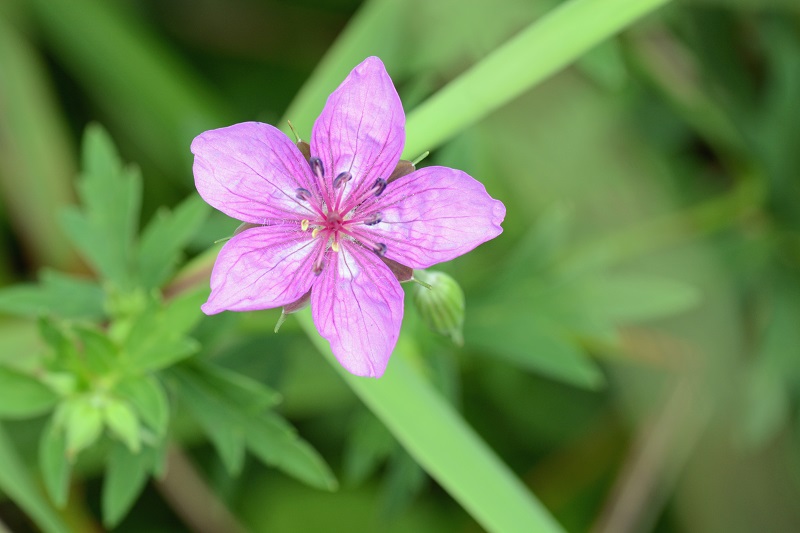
<point x="442" y="305"/>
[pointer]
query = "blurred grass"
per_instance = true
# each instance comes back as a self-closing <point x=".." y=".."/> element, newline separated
<point x="672" y="148"/>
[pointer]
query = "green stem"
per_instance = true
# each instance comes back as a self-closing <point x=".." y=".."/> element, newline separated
<point x="546" y="46"/>
<point x="440" y="441"/>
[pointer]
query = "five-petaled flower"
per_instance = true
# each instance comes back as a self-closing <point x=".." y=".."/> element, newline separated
<point x="337" y="225"/>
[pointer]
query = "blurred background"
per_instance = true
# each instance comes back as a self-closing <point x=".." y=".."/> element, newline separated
<point x="632" y="340"/>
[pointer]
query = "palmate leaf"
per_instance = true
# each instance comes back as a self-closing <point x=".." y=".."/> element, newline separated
<point x="158" y="336"/>
<point x="231" y="410"/>
<point x="149" y="400"/>
<point x="23" y="396"/>
<point x="126" y="475"/>
<point x="56" y="294"/>
<point x="164" y="238"/>
<point x="104" y="228"/>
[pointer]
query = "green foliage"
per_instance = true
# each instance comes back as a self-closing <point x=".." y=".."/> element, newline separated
<point x="56" y="294"/>
<point x="165" y="237"/>
<point x="231" y="411"/>
<point x="22" y="395"/>
<point x="111" y="345"/>
<point x="18" y="484"/>
<point x="658" y="313"/>
<point x="104" y="229"/>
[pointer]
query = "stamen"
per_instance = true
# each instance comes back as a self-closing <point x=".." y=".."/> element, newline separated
<point x="335" y="246"/>
<point x="380" y="249"/>
<point x="341" y="179"/>
<point x="316" y="167"/>
<point x="379" y="187"/>
<point x="315" y="232"/>
<point x="374" y="219"/>
<point x="317" y="269"/>
<point x="304" y="224"/>
<point x="302" y="194"/>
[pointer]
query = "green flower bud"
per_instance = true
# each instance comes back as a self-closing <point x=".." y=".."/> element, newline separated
<point x="442" y="305"/>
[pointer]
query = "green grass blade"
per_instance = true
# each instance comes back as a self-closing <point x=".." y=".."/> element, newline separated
<point x="17" y="483"/>
<point x="36" y="162"/>
<point x="546" y="46"/>
<point x="439" y="439"/>
<point x="136" y="79"/>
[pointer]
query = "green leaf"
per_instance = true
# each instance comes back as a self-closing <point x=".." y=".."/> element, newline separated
<point x="104" y="227"/>
<point x="442" y="443"/>
<point x="99" y="353"/>
<point x="23" y="396"/>
<point x="520" y="336"/>
<point x="230" y="410"/>
<point x="222" y="424"/>
<point x="635" y="297"/>
<point x="56" y="294"/>
<point x="369" y="444"/>
<point x="157" y="338"/>
<point x="54" y="464"/>
<point x="165" y="237"/>
<point x="562" y="36"/>
<point x="123" y="423"/>
<point x="126" y="475"/>
<point x="17" y="483"/>
<point x="148" y="398"/>
<point x="276" y="443"/>
<point x="82" y="420"/>
<point x="236" y="390"/>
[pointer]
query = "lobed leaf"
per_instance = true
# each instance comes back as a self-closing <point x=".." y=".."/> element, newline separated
<point x="165" y="236"/>
<point x="56" y="294"/>
<point x="23" y="396"/>
<point x="126" y="475"/>
<point x="121" y="420"/>
<point x="54" y="464"/>
<point x="104" y="227"/>
<point x="148" y="398"/>
<point x="231" y="411"/>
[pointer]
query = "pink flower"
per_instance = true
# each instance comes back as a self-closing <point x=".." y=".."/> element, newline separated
<point x="331" y="225"/>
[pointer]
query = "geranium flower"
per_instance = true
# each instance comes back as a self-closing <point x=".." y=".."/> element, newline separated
<point x="337" y="225"/>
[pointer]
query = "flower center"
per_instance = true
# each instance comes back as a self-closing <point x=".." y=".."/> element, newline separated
<point x="331" y="226"/>
<point x="333" y="222"/>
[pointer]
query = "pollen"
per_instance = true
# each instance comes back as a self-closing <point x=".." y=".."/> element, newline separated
<point x="304" y="224"/>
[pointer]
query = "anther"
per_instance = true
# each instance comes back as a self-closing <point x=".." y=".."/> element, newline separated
<point x="317" y="268"/>
<point x="335" y="246"/>
<point x="379" y="187"/>
<point x="341" y="179"/>
<point x="302" y="194"/>
<point x="380" y="249"/>
<point x="374" y="219"/>
<point x="304" y="224"/>
<point x="315" y="232"/>
<point x="316" y="167"/>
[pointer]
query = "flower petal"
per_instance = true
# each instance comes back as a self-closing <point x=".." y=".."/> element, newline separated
<point x="358" y="306"/>
<point x="361" y="130"/>
<point x="433" y="215"/>
<point x="261" y="268"/>
<point x="251" y="172"/>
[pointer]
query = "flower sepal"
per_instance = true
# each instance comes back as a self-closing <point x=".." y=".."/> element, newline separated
<point x="441" y="304"/>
